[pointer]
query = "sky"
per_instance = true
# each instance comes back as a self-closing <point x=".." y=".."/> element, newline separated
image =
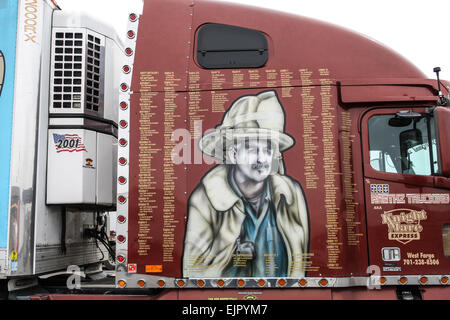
<point x="416" y="29"/>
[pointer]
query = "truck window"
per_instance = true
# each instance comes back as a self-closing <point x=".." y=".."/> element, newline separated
<point x="403" y="145"/>
<point x="222" y="46"/>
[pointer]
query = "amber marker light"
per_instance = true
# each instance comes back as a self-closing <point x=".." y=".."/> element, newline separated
<point x="141" y="283"/>
<point x="303" y="282"/>
<point x="241" y="283"/>
<point x="383" y="280"/>
<point x="403" y="280"/>
<point x="281" y="282"/>
<point x="323" y="282"/>
<point x="161" y="283"/>
<point x="444" y="280"/>
<point x="122" y="284"/>
<point x="181" y="283"/>
<point x="201" y="283"/>
<point x="423" y="280"/>
<point x="261" y="283"/>
<point x="220" y="283"/>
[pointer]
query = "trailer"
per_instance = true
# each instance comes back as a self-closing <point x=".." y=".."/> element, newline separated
<point x="260" y="155"/>
<point x="59" y="140"/>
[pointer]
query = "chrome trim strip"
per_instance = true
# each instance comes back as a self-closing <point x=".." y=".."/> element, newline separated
<point x="123" y="152"/>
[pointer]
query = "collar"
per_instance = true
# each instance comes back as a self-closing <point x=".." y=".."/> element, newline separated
<point x="222" y="196"/>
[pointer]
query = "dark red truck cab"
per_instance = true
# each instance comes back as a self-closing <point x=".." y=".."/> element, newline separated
<point x="370" y="152"/>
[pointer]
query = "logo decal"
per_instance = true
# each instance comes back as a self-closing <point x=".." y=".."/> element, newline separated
<point x="404" y="224"/>
<point x="68" y="142"/>
<point x="132" y="268"/>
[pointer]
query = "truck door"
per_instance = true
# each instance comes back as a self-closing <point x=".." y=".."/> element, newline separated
<point x="408" y="217"/>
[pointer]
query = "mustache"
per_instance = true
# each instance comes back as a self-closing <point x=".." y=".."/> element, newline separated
<point x="258" y="166"/>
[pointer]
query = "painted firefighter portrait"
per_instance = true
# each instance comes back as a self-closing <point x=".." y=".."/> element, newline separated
<point x="246" y="218"/>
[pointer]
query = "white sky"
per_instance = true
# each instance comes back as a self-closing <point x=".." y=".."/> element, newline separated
<point x="417" y="29"/>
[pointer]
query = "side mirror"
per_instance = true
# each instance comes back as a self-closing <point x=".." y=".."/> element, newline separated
<point x="442" y="122"/>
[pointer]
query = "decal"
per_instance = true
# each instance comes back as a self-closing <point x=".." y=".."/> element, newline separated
<point x="153" y="268"/>
<point x="247" y="218"/>
<point x="13" y="256"/>
<point x="132" y="268"/>
<point x="88" y="163"/>
<point x="68" y="142"/>
<point x="420" y="259"/>
<point x="391" y="254"/>
<point x="379" y="194"/>
<point x="14" y="263"/>
<point x="404" y="224"/>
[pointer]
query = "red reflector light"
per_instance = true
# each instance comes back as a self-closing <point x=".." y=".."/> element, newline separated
<point x="122" y="161"/>
<point x="123" y="105"/>
<point x="126" y="69"/>
<point x="124" y="87"/>
<point x="121" y="238"/>
<point x="122" y="179"/>
<point x="123" y="142"/>
<point x="130" y="34"/>
<point x="121" y="219"/>
<point x="133" y="17"/>
<point x="120" y="259"/>
<point x="128" y="51"/>
<point x="122" y="199"/>
<point x="123" y="124"/>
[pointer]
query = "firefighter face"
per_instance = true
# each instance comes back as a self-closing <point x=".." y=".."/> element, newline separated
<point x="253" y="159"/>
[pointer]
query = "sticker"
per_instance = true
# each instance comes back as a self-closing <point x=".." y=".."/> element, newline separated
<point x="390" y="254"/>
<point x="379" y="194"/>
<point x="132" y="268"/>
<point x="404" y="224"/>
<point x="391" y="267"/>
<point x="13" y="256"/>
<point x="88" y="163"/>
<point x="153" y="268"/>
<point x="420" y="259"/>
<point x="68" y="142"/>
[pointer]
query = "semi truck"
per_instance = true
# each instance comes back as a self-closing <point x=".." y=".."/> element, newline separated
<point x="242" y="153"/>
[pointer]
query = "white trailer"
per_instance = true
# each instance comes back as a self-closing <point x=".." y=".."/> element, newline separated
<point x="60" y="77"/>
